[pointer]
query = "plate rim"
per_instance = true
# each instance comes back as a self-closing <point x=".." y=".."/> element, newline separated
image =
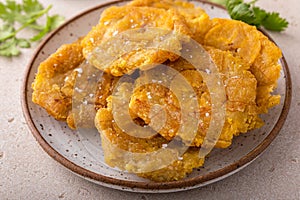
<point x="147" y="186"/>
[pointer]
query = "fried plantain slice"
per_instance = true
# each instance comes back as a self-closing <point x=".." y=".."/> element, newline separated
<point x="240" y="86"/>
<point x="196" y="18"/>
<point x="147" y="96"/>
<point x="266" y="69"/>
<point x="256" y="49"/>
<point x="117" y="145"/>
<point x="235" y="36"/>
<point x="177" y="170"/>
<point x="54" y="81"/>
<point x="115" y="20"/>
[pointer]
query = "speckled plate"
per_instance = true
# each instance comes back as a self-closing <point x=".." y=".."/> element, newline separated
<point x="83" y="155"/>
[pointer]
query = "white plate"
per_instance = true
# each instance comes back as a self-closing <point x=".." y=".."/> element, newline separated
<point x="83" y="155"/>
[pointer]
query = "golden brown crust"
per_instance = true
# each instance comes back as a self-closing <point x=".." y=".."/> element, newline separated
<point x="246" y="59"/>
<point x="196" y="18"/>
<point x="115" y="20"/>
<point x="240" y="87"/>
<point x="54" y="81"/>
<point x="116" y="144"/>
<point x="235" y="36"/>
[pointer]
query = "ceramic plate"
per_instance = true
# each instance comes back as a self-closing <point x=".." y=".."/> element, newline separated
<point x="83" y="155"/>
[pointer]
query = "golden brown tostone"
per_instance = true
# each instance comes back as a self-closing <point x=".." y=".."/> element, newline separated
<point x="53" y="84"/>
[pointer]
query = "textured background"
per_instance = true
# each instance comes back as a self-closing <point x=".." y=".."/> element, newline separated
<point x="27" y="172"/>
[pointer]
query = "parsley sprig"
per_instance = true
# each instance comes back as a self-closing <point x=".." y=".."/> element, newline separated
<point x="15" y="17"/>
<point x="253" y="15"/>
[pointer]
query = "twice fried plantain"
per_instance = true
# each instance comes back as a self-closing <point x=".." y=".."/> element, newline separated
<point x="235" y="36"/>
<point x="115" y="20"/>
<point x="240" y="86"/>
<point x="54" y="81"/>
<point x="119" y="148"/>
<point x="196" y="18"/>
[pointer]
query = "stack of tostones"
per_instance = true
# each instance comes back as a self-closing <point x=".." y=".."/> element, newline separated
<point x="246" y="59"/>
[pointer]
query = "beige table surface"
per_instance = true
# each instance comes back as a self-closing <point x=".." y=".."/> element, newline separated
<point x="27" y="172"/>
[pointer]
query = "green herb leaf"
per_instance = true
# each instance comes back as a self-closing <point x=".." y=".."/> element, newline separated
<point x="248" y="13"/>
<point x="260" y="15"/>
<point x="32" y="6"/>
<point x="7" y="43"/>
<point x="9" y="48"/>
<point x="23" y="16"/>
<point x="23" y="43"/>
<point x="52" y="23"/>
<point x="6" y="31"/>
<point x="221" y="2"/>
<point x="40" y="35"/>
<point x="55" y="21"/>
<point x="274" y="22"/>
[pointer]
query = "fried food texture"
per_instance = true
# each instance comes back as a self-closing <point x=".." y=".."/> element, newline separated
<point x="115" y="20"/>
<point x="254" y="48"/>
<point x="124" y="151"/>
<point x="235" y="36"/>
<point x="266" y="69"/>
<point x="247" y="62"/>
<point x="196" y="18"/>
<point x="54" y="81"/>
<point x="241" y="104"/>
